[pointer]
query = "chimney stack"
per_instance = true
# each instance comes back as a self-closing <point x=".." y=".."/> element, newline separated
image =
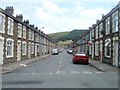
<point x="10" y="10"/>
<point x="32" y="26"/>
<point x="26" y="22"/>
<point x="19" y="17"/>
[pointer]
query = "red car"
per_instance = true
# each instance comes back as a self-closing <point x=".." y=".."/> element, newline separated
<point x="80" y="58"/>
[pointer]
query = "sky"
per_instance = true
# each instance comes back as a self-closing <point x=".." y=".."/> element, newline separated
<point x="60" y="15"/>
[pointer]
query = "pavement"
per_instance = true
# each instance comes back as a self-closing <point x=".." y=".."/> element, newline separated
<point x="23" y="63"/>
<point x="102" y="66"/>
<point x="94" y="63"/>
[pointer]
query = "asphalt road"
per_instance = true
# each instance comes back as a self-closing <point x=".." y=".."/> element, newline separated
<point x="58" y="71"/>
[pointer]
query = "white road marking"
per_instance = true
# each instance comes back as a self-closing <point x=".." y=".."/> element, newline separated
<point x="50" y="73"/>
<point x="33" y="73"/>
<point x="74" y="72"/>
<point x="98" y="72"/>
<point x="60" y="72"/>
<point x="24" y="73"/>
<point x="60" y="62"/>
<point x="59" y="66"/>
<point x="87" y="72"/>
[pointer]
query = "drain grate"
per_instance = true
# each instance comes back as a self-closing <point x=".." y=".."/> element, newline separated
<point x="22" y="82"/>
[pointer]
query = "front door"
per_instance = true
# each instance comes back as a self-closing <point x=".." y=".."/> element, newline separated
<point x="19" y="51"/>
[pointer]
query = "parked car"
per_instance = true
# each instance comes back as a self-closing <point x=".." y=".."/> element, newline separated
<point x="80" y="58"/>
<point x="55" y="52"/>
<point x="70" y="51"/>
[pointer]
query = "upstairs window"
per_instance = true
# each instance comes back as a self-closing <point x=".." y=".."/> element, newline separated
<point x="24" y="32"/>
<point x="30" y="34"/>
<point x="2" y="21"/>
<point x="107" y="26"/>
<point x="19" y="30"/>
<point x="115" y="23"/>
<point x="96" y="32"/>
<point x="100" y="30"/>
<point x="10" y="26"/>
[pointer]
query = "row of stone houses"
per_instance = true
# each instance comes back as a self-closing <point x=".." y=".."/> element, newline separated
<point x="102" y="41"/>
<point x="20" y="40"/>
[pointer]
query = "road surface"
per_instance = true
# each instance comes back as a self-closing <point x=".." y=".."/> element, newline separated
<point x="58" y="71"/>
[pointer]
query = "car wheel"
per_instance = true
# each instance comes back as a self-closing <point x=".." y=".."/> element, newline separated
<point x="73" y="61"/>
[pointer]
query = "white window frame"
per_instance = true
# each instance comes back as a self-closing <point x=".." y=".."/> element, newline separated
<point x="11" y="26"/>
<point x="115" y="22"/>
<point x="92" y="34"/>
<point x="12" y="47"/>
<point x="96" y="48"/>
<point x="32" y="48"/>
<point x="38" y="48"/>
<point x="96" y="30"/>
<point x="24" y="48"/>
<point x="107" y="26"/>
<point x="24" y="32"/>
<point x="2" y="26"/>
<point x="19" y="30"/>
<point x="100" y="29"/>
<point x="32" y="35"/>
<point x="37" y="37"/>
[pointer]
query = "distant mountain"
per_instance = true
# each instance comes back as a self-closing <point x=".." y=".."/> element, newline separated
<point x="64" y="36"/>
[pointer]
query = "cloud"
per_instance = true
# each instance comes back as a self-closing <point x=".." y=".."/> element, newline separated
<point x="62" y="15"/>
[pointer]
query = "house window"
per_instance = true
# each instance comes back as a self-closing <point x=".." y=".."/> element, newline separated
<point x="96" y="48"/>
<point x="10" y="26"/>
<point x="33" y="35"/>
<point x="24" y="32"/>
<point x="100" y="29"/>
<point x="9" y="48"/>
<point x="32" y="48"/>
<point x="107" y="48"/>
<point x="108" y="26"/>
<point x="29" y="34"/>
<point x="38" y="49"/>
<point x="2" y="23"/>
<point x="24" y="48"/>
<point x="92" y="34"/>
<point x="19" y="30"/>
<point x="37" y="38"/>
<point x="96" y="32"/>
<point x="115" y="22"/>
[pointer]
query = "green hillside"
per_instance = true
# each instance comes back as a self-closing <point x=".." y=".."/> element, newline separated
<point x="58" y="35"/>
<point x="64" y="36"/>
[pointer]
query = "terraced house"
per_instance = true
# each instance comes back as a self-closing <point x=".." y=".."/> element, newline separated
<point x="20" y="40"/>
<point x="105" y="38"/>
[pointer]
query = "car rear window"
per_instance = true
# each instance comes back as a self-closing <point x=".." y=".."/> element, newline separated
<point x="81" y="54"/>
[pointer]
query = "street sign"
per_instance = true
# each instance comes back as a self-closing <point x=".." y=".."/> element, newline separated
<point x="89" y="43"/>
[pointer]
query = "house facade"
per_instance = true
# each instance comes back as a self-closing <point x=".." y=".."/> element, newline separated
<point x="105" y="38"/>
<point x="20" y="40"/>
